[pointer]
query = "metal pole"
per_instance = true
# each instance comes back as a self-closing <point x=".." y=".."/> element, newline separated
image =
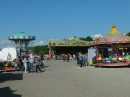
<point x="102" y="53"/>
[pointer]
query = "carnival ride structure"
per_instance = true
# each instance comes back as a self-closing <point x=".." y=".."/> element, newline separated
<point x="111" y="49"/>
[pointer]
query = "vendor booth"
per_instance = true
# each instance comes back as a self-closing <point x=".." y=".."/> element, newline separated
<point x="70" y="46"/>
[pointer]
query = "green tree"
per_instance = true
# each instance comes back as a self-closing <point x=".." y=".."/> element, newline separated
<point x="88" y="38"/>
<point x="36" y="50"/>
<point x="41" y="50"/>
<point x="81" y="38"/>
<point x="128" y="34"/>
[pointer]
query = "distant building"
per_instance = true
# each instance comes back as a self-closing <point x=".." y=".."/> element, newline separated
<point x="71" y="45"/>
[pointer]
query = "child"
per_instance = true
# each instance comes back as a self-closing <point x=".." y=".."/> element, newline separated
<point x="15" y="66"/>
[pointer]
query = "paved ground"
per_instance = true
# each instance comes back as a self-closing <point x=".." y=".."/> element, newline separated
<point x="63" y="79"/>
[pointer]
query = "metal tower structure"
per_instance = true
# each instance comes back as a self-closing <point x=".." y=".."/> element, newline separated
<point x="21" y="41"/>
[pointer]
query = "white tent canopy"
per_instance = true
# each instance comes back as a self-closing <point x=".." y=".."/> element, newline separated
<point x="8" y="54"/>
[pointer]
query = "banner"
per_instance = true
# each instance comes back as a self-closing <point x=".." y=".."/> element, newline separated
<point x="92" y="56"/>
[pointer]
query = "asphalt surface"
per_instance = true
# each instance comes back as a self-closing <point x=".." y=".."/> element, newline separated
<point x="63" y="79"/>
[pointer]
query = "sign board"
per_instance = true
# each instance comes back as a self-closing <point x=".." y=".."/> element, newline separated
<point x="92" y="56"/>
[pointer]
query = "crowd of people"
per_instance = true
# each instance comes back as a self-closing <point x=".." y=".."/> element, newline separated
<point x="30" y="63"/>
<point x="82" y="60"/>
<point x="27" y="63"/>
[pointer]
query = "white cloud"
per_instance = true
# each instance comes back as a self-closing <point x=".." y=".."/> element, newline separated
<point x="39" y="43"/>
<point x="97" y="36"/>
<point x="6" y="43"/>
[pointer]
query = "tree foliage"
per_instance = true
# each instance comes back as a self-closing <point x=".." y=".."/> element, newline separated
<point x="40" y="49"/>
<point x="128" y="34"/>
<point x="88" y="38"/>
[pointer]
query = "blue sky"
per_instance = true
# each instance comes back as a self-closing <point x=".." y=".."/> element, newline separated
<point x="59" y="19"/>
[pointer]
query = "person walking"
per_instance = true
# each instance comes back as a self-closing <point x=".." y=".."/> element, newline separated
<point x="37" y="61"/>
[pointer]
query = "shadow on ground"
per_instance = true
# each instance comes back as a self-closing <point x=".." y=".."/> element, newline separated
<point x="7" y="92"/>
<point x="46" y="66"/>
<point x="10" y="77"/>
<point x="112" y="66"/>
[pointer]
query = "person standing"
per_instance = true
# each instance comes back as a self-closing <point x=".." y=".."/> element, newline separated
<point x="31" y="61"/>
<point x="25" y="63"/>
<point x="68" y="57"/>
<point x="86" y="59"/>
<point x="21" y="64"/>
<point x="83" y="61"/>
<point x="42" y="61"/>
<point x="80" y="59"/>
